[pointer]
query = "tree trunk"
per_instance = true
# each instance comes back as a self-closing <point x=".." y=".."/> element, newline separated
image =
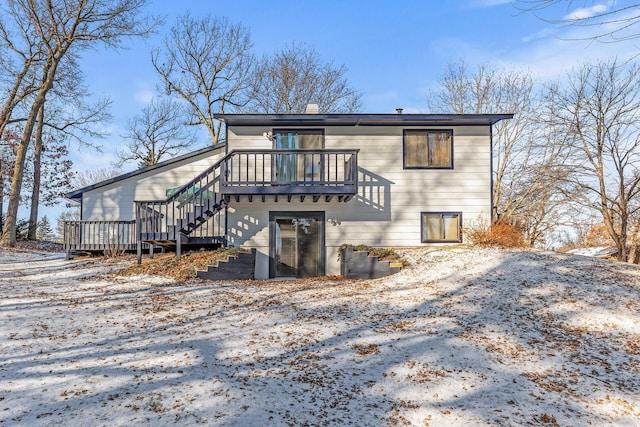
<point x="13" y="97"/>
<point x="35" y="197"/>
<point x="9" y="230"/>
<point x="1" y="195"/>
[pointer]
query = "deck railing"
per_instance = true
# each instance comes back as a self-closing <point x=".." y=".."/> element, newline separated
<point x="196" y="210"/>
<point x="290" y="171"/>
<point x="99" y="236"/>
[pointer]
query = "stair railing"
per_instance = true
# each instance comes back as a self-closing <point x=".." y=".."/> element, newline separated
<point x="186" y="212"/>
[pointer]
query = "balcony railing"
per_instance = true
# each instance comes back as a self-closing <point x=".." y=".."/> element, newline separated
<point x="247" y="172"/>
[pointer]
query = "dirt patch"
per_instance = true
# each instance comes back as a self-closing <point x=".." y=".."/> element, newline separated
<point x="183" y="268"/>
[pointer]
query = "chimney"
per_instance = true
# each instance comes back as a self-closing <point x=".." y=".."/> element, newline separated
<point x="399" y="110"/>
<point x="312" y="109"/>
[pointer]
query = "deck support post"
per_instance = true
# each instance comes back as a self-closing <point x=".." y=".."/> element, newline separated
<point x="139" y="251"/>
<point x="178" y="245"/>
<point x="150" y="250"/>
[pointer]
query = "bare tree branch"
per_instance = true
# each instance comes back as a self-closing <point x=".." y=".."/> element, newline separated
<point x="207" y="63"/>
<point x="157" y="133"/>
<point x="611" y="22"/>
<point x="288" y="80"/>
<point x="600" y="110"/>
<point x="55" y="30"/>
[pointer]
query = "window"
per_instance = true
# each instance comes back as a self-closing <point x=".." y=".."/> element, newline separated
<point x="441" y="227"/>
<point x="428" y="149"/>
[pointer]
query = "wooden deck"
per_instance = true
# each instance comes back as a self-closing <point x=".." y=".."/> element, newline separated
<point x="196" y="212"/>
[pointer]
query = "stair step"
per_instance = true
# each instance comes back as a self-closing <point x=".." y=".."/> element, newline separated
<point x="360" y="265"/>
<point x="240" y="267"/>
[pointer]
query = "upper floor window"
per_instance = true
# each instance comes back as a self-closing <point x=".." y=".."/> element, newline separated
<point x="428" y="149"/>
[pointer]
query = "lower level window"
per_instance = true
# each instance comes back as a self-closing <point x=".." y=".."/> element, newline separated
<point x="441" y="227"/>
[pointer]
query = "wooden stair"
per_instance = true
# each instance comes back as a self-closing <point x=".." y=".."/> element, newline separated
<point x="240" y="267"/>
<point x="360" y="265"/>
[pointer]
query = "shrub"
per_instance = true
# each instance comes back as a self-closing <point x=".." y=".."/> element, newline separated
<point x="499" y="233"/>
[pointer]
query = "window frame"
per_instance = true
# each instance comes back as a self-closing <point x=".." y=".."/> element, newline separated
<point x="427" y="131"/>
<point x="423" y="238"/>
<point x="311" y="131"/>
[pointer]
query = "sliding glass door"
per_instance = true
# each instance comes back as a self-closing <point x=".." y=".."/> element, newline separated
<point x="298" y="168"/>
<point x="297" y="244"/>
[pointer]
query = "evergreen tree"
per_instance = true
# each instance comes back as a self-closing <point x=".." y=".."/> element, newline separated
<point x="45" y="232"/>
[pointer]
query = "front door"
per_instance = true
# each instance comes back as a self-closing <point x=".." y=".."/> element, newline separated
<point x="297" y="244"/>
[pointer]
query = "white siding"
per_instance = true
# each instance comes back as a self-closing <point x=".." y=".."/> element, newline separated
<point x="386" y="211"/>
<point x="116" y="201"/>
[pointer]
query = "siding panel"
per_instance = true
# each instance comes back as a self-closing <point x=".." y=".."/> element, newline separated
<point x="386" y="211"/>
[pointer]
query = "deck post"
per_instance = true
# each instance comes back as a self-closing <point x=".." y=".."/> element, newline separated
<point x="178" y="244"/>
<point x="150" y="250"/>
<point x="138" y="233"/>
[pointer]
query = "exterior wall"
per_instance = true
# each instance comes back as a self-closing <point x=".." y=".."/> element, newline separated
<point x="386" y="211"/>
<point x="116" y="201"/>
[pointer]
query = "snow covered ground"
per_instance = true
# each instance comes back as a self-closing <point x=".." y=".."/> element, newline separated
<point x="464" y="337"/>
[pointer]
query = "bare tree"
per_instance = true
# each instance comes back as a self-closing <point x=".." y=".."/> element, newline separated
<point x="608" y="21"/>
<point x="56" y="30"/>
<point x="600" y="111"/>
<point x="93" y="176"/>
<point x="523" y="158"/>
<point x="207" y="63"/>
<point x="18" y="62"/>
<point x="37" y="158"/>
<point x="295" y="76"/>
<point x="67" y="118"/>
<point x="158" y="132"/>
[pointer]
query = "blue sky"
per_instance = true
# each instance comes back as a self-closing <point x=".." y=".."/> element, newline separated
<point x="394" y="51"/>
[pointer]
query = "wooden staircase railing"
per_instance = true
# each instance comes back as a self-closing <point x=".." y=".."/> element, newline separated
<point x="192" y="212"/>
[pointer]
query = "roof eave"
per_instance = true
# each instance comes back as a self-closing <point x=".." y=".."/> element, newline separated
<point x="362" y="119"/>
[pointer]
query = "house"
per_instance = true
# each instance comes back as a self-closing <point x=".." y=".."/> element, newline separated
<point x="297" y="186"/>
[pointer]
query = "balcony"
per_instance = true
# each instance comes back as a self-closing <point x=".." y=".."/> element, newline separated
<point x="291" y="173"/>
